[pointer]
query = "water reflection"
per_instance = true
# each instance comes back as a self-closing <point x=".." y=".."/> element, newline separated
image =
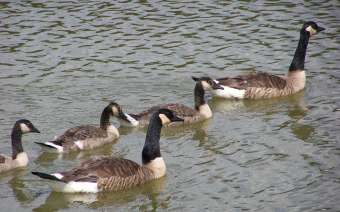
<point x="294" y="106"/>
<point x="265" y="105"/>
<point x="147" y="194"/>
<point x="170" y="132"/>
<point x="19" y="189"/>
<point x="47" y="157"/>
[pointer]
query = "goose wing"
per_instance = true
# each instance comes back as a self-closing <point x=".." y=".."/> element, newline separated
<point x="258" y="80"/>
<point x="104" y="167"/>
<point x="179" y="109"/>
<point x="79" y="133"/>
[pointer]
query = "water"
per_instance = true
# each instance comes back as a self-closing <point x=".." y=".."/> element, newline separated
<point x="62" y="61"/>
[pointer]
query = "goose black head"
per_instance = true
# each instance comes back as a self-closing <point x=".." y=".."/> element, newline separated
<point x="115" y="109"/>
<point x="312" y="28"/>
<point x="208" y="83"/>
<point x="25" y="126"/>
<point x="168" y="116"/>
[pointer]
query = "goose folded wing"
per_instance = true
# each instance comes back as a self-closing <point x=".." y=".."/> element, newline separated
<point x="80" y="133"/>
<point x="179" y="109"/>
<point x="104" y="167"/>
<point x="258" y="80"/>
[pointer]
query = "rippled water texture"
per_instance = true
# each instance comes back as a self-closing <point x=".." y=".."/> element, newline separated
<point x="61" y="61"/>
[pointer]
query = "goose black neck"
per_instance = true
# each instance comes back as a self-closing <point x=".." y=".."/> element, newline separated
<point x="298" y="62"/>
<point x="199" y="95"/>
<point x="16" y="141"/>
<point x="105" y="118"/>
<point x="151" y="149"/>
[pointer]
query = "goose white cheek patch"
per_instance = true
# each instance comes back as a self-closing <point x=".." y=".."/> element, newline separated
<point x="24" y="128"/>
<point x="205" y="85"/>
<point x="311" y="30"/>
<point x="164" y="119"/>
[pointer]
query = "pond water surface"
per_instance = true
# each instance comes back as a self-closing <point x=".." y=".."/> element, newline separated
<point x="62" y="61"/>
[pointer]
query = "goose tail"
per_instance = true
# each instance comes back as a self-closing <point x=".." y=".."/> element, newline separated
<point x="47" y="176"/>
<point x="59" y="185"/>
<point x="51" y="145"/>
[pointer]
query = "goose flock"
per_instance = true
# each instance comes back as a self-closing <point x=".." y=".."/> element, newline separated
<point x="116" y="174"/>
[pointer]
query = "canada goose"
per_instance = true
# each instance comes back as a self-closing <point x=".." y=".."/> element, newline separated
<point x="19" y="157"/>
<point x="264" y="85"/>
<point x="190" y="115"/>
<point x="87" y="136"/>
<point x="114" y="174"/>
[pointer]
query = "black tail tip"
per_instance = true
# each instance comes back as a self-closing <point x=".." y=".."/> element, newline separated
<point x="45" y="176"/>
<point x="45" y="145"/>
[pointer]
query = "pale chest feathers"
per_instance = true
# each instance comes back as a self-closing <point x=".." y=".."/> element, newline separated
<point x="205" y="111"/>
<point x="21" y="160"/>
<point x="112" y="131"/>
<point x="296" y="80"/>
<point x="157" y="166"/>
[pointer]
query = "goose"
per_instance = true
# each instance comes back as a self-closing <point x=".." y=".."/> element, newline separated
<point x="263" y="85"/>
<point x="115" y="174"/>
<point x="86" y="136"/>
<point x="19" y="157"/>
<point x="201" y="111"/>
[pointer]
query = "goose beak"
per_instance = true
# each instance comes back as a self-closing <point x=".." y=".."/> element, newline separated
<point x="217" y="86"/>
<point x="176" y="118"/>
<point x="35" y="130"/>
<point x="320" y="29"/>
<point x="124" y="117"/>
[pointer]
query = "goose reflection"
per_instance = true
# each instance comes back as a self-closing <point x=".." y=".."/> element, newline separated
<point x="17" y="184"/>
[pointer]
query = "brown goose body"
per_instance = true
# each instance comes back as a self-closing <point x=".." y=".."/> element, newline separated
<point x="8" y="163"/>
<point x="189" y="114"/>
<point x="86" y="137"/>
<point x="263" y="85"/>
<point x="110" y="173"/>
